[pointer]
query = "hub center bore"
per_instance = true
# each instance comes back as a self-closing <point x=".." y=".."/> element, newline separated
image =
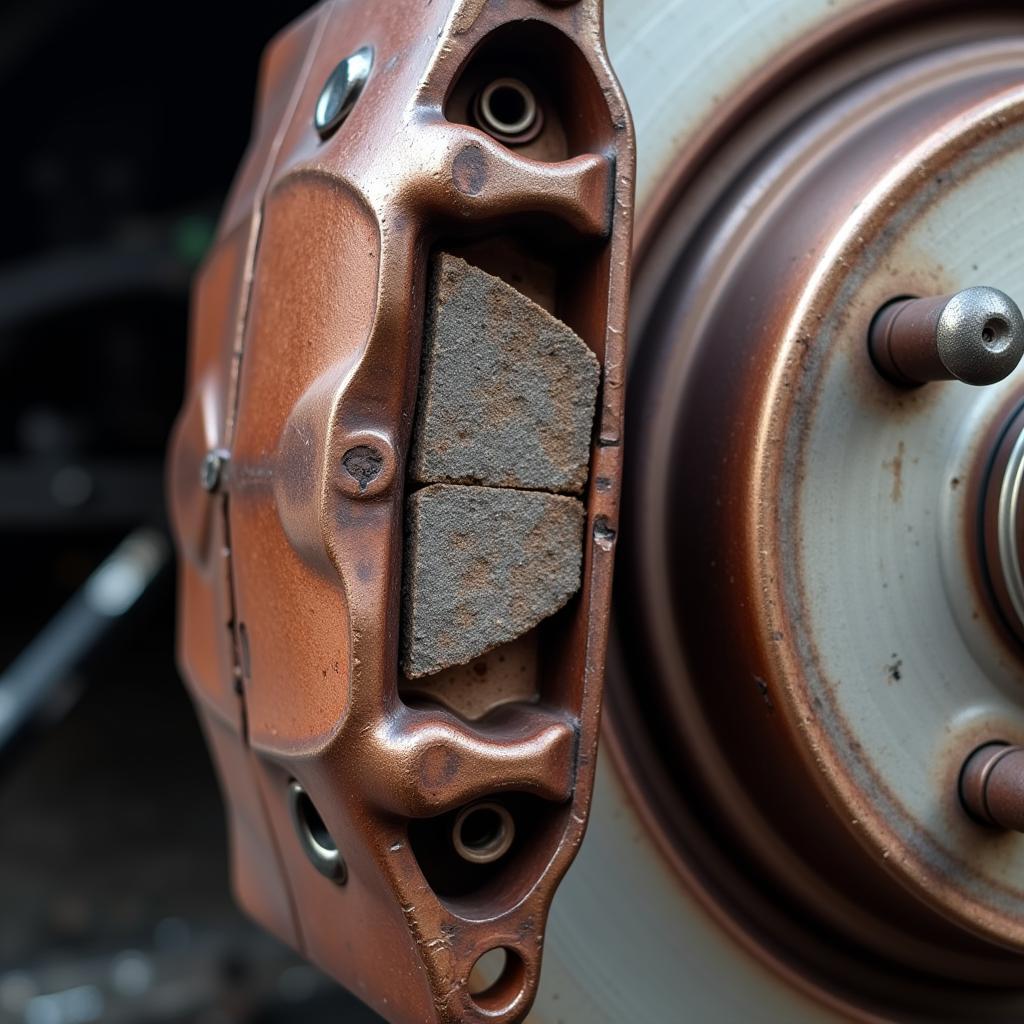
<point x="1003" y="524"/>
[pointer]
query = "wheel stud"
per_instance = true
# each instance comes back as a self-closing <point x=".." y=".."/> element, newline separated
<point x="992" y="785"/>
<point x="975" y="335"/>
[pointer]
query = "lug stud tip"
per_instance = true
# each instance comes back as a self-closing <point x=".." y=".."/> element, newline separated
<point x="992" y="786"/>
<point x="975" y="335"/>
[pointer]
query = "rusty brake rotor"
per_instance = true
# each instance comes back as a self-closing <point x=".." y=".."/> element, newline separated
<point x="809" y="643"/>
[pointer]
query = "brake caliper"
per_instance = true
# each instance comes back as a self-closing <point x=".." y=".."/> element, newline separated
<point x="395" y="487"/>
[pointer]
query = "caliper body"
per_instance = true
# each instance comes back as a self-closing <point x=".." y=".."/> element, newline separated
<point x="395" y="487"/>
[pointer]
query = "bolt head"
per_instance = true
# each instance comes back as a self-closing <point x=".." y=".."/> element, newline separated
<point x="341" y="90"/>
<point x="211" y="472"/>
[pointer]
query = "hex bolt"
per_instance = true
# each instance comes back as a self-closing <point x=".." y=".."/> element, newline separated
<point x="992" y="785"/>
<point x="213" y="469"/>
<point x="341" y="90"/>
<point x="975" y="335"/>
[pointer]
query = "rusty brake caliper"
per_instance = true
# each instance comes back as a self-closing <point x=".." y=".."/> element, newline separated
<point x="395" y="486"/>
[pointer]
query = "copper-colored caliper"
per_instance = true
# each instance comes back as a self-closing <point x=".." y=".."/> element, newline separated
<point x="395" y="484"/>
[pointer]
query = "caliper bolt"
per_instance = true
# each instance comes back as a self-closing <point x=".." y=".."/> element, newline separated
<point x="211" y="471"/>
<point x="975" y="335"/>
<point x="992" y="785"/>
<point x="341" y="90"/>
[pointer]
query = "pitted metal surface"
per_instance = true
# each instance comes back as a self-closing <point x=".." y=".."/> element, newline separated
<point x="984" y="314"/>
<point x="975" y="335"/>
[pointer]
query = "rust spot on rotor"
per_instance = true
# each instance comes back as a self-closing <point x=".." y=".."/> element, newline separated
<point x="895" y="466"/>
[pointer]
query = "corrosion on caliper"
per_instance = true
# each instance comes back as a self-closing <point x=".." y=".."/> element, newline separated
<point x="395" y="487"/>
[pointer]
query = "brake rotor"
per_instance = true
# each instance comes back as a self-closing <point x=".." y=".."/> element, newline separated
<point x="815" y="618"/>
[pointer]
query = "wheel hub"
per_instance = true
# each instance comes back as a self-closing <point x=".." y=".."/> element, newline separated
<point x="822" y="648"/>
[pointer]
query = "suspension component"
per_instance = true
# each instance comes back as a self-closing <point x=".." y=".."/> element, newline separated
<point x="408" y="348"/>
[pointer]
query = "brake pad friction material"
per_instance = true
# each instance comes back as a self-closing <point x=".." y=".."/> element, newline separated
<point x="507" y="391"/>
<point x="483" y="566"/>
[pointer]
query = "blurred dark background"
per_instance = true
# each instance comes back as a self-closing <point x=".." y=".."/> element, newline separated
<point x="122" y="128"/>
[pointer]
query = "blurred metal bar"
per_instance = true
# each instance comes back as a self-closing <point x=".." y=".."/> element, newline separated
<point x="106" y="597"/>
<point x="59" y="281"/>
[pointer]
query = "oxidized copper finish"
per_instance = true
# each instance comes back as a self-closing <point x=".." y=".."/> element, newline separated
<point x="306" y="334"/>
<point x="722" y="708"/>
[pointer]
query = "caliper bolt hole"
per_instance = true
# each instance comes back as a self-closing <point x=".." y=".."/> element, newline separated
<point x="316" y="839"/>
<point x="496" y="980"/>
<point x="507" y="109"/>
<point x="483" y="832"/>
